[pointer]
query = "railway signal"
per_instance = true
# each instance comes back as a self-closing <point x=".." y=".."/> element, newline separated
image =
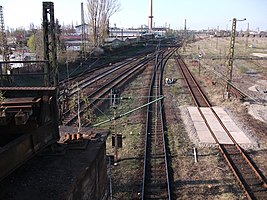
<point x="199" y="58"/>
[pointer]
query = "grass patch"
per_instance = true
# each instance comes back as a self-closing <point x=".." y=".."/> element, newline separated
<point x="243" y="69"/>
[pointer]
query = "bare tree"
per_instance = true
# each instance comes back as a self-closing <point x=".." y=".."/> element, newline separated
<point x="99" y="12"/>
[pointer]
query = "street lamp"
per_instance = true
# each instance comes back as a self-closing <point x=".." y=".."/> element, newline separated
<point x="229" y="72"/>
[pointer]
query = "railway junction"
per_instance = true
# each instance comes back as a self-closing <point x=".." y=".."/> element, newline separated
<point x="168" y="120"/>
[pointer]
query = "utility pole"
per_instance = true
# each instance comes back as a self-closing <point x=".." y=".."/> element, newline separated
<point x="199" y="58"/>
<point x="115" y="101"/>
<point x="217" y="38"/>
<point x="4" y="42"/>
<point x="247" y="36"/>
<point x="229" y="72"/>
<point x="185" y="26"/>
<point x="116" y="136"/>
<point x="83" y="47"/>
<point x="185" y="36"/>
<point x="151" y="16"/>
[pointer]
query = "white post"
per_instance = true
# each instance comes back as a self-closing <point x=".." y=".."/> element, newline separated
<point x="195" y="154"/>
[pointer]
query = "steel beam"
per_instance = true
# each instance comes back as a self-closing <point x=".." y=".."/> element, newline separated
<point x="50" y="45"/>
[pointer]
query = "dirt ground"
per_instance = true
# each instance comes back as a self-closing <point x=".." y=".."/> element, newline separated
<point x="210" y="177"/>
<point x="250" y="76"/>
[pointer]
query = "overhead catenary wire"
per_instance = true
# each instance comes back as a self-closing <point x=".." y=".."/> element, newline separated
<point x="127" y="113"/>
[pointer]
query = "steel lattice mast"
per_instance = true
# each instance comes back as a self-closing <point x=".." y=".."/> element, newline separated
<point x="4" y="40"/>
<point x="83" y="47"/>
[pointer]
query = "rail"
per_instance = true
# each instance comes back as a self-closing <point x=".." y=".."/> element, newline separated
<point x="156" y="181"/>
<point x="248" y="175"/>
<point x="70" y="118"/>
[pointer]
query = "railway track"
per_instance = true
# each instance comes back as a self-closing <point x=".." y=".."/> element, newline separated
<point x="249" y="177"/>
<point x="88" y="73"/>
<point x="156" y="181"/>
<point x="199" y="97"/>
<point x="102" y="67"/>
<point x="107" y="79"/>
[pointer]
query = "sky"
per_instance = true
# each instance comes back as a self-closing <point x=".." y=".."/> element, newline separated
<point x="199" y="14"/>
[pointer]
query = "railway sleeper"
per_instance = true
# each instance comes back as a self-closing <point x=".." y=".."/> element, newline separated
<point x="261" y="195"/>
<point x="247" y="173"/>
<point x="250" y="177"/>
<point x="161" y="197"/>
<point x="158" y="178"/>
<point x="256" y="183"/>
<point x="239" y="161"/>
<point x="158" y="172"/>
<point x="231" y="149"/>
<point x="157" y="189"/>
<point x="154" y="194"/>
<point x="157" y="129"/>
<point x="158" y="156"/>
<point x="158" y="139"/>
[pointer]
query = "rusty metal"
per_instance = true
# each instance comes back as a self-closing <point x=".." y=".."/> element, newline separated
<point x="73" y="137"/>
<point x="198" y="96"/>
<point x="25" y="100"/>
<point x="156" y="182"/>
<point x="50" y="50"/>
<point x="28" y="124"/>
<point x="4" y="42"/>
<point x="24" y="61"/>
<point x="41" y="89"/>
<point x="22" y="117"/>
<point x="78" y="136"/>
<point x="67" y="137"/>
<point x="29" y="115"/>
<point x="229" y="72"/>
<point x="230" y="57"/>
<point x="236" y="92"/>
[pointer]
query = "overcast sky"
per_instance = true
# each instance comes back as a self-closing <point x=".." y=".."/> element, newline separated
<point x="200" y="14"/>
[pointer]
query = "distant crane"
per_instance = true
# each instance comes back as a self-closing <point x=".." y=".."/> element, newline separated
<point x="4" y="41"/>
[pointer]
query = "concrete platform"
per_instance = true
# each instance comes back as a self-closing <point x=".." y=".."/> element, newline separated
<point x="235" y="131"/>
<point x="200" y="126"/>
<point x="204" y="133"/>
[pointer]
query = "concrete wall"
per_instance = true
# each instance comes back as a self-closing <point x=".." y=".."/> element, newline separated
<point x="93" y="183"/>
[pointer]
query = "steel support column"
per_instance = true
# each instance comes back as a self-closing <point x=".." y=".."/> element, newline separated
<point x="83" y="47"/>
<point x="4" y="42"/>
<point x="50" y="45"/>
<point x="229" y="72"/>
